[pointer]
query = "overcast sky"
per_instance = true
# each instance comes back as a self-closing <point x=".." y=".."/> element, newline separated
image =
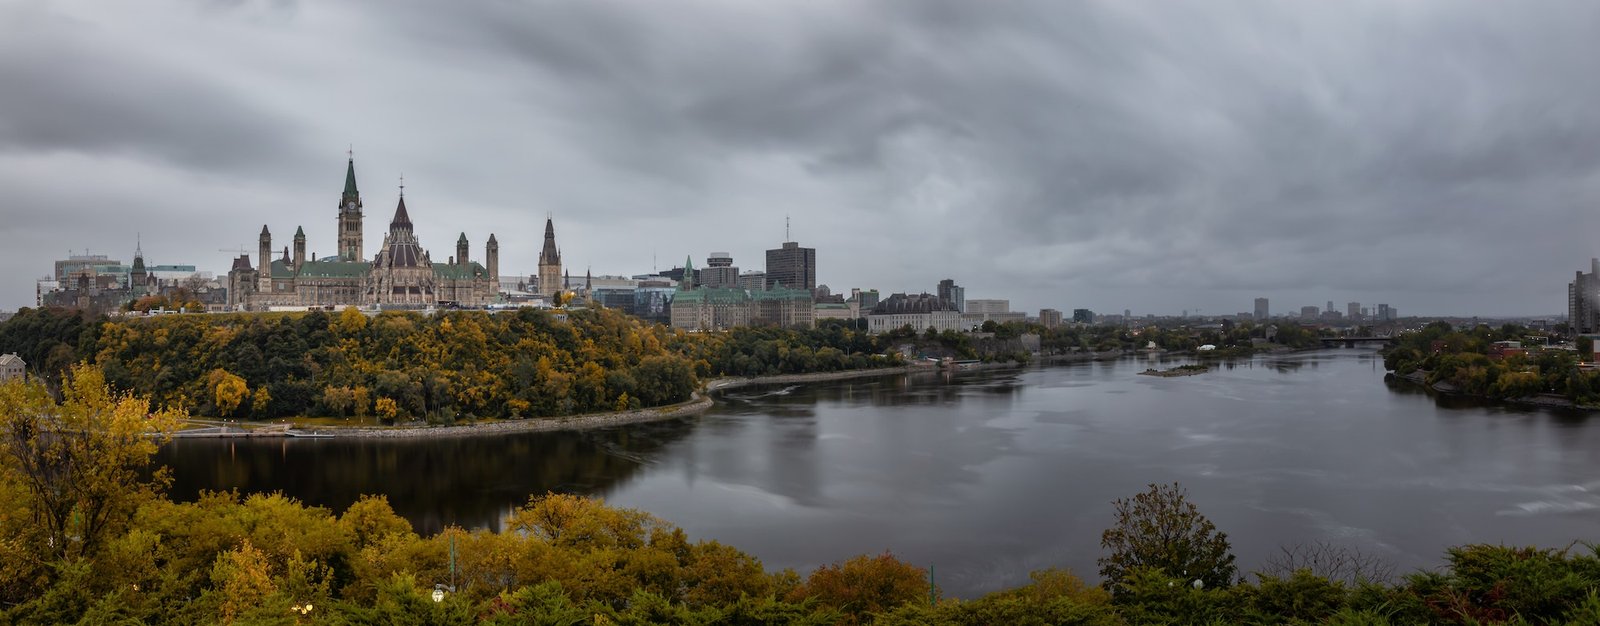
<point x="1442" y="157"/>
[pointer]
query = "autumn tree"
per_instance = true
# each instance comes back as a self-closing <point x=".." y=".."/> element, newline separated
<point x="864" y="585"/>
<point x="85" y="461"/>
<point x="229" y="391"/>
<point x="1161" y="530"/>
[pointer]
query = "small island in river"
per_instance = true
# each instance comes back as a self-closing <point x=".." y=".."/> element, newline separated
<point x="1181" y="370"/>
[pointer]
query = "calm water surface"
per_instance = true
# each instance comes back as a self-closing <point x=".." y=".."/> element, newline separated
<point x="988" y="475"/>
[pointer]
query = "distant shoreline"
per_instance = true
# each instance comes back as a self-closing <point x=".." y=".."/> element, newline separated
<point x="697" y="403"/>
<point x="1544" y="400"/>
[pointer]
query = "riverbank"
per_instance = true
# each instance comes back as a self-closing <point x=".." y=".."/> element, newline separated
<point x="1543" y="400"/>
<point x="697" y="404"/>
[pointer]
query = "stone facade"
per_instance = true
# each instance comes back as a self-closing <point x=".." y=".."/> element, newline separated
<point x="721" y="308"/>
<point x="401" y="275"/>
<point x="12" y="367"/>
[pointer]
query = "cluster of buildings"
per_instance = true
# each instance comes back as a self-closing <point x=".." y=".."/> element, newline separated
<point x="1353" y="313"/>
<point x="402" y="274"/>
<point x="101" y="283"/>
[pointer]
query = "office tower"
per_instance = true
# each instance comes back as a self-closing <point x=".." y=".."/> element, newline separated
<point x="719" y="271"/>
<point x="953" y="293"/>
<point x="792" y="267"/>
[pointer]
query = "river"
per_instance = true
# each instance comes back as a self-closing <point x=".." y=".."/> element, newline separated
<point x="987" y="475"/>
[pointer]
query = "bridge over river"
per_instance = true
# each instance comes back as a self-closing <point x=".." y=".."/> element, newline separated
<point x="1351" y="342"/>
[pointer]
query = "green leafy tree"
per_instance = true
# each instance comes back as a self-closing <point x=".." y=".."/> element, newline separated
<point x="1161" y="530"/>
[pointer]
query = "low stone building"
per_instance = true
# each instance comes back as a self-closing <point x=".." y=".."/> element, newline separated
<point x="12" y="367"/>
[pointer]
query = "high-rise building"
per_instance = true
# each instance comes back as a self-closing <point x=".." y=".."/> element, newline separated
<point x="865" y="299"/>
<point x="1385" y="313"/>
<point x="1330" y="307"/>
<point x="953" y="293"/>
<point x="1308" y="312"/>
<point x="1352" y="310"/>
<point x="792" y="267"/>
<point x="1083" y="316"/>
<point x="1583" y="300"/>
<point x="719" y="271"/>
<point x="1261" y="309"/>
<point x="1049" y="318"/>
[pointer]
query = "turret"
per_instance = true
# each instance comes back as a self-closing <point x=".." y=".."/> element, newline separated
<point x="350" y="217"/>
<point x="550" y="262"/>
<point x="461" y="250"/>
<point x="491" y="259"/>
<point x="265" y="258"/>
<point x="299" y="248"/>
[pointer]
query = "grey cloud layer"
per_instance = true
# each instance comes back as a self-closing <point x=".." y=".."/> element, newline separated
<point x="1152" y="156"/>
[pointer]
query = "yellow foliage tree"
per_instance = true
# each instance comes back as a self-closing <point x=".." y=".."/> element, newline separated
<point x="351" y="321"/>
<point x="228" y="390"/>
<point x="260" y="402"/>
<point x="242" y="579"/>
<point x="83" y="462"/>
<point x="387" y="409"/>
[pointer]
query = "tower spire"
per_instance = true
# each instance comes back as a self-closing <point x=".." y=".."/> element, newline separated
<point x="349" y="219"/>
<point x="350" y="176"/>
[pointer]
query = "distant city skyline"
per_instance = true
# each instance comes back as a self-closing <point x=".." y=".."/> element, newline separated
<point x="1130" y="155"/>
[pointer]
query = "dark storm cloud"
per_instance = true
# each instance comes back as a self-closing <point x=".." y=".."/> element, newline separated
<point x="1153" y="156"/>
<point x="70" y="87"/>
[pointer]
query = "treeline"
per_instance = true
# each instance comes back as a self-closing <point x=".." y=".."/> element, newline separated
<point x="396" y="365"/>
<point x="404" y="365"/>
<point x="833" y="345"/>
<point x="87" y="538"/>
<point x="1466" y="361"/>
<point x="527" y="363"/>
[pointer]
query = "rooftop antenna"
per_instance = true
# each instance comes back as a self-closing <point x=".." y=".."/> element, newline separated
<point x="138" y="244"/>
<point x="351" y="153"/>
<point x="402" y="184"/>
<point x="786" y="228"/>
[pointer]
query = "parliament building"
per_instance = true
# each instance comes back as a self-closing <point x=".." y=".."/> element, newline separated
<point x="401" y="275"/>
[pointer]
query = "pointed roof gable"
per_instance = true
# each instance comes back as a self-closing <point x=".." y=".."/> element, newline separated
<point x="350" y="179"/>
<point x="549" y="255"/>
<point x="462" y="240"/>
<point x="401" y="219"/>
<point x="299" y="232"/>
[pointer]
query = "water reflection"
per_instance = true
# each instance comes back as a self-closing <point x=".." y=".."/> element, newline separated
<point x="467" y="481"/>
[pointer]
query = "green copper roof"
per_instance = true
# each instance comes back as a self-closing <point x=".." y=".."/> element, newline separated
<point x="779" y="293"/>
<point x="718" y="295"/>
<point x="281" y="269"/>
<point x="299" y="232"/>
<point x="463" y="238"/>
<point x="456" y="272"/>
<point x="350" y="179"/>
<point x="332" y="269"/>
